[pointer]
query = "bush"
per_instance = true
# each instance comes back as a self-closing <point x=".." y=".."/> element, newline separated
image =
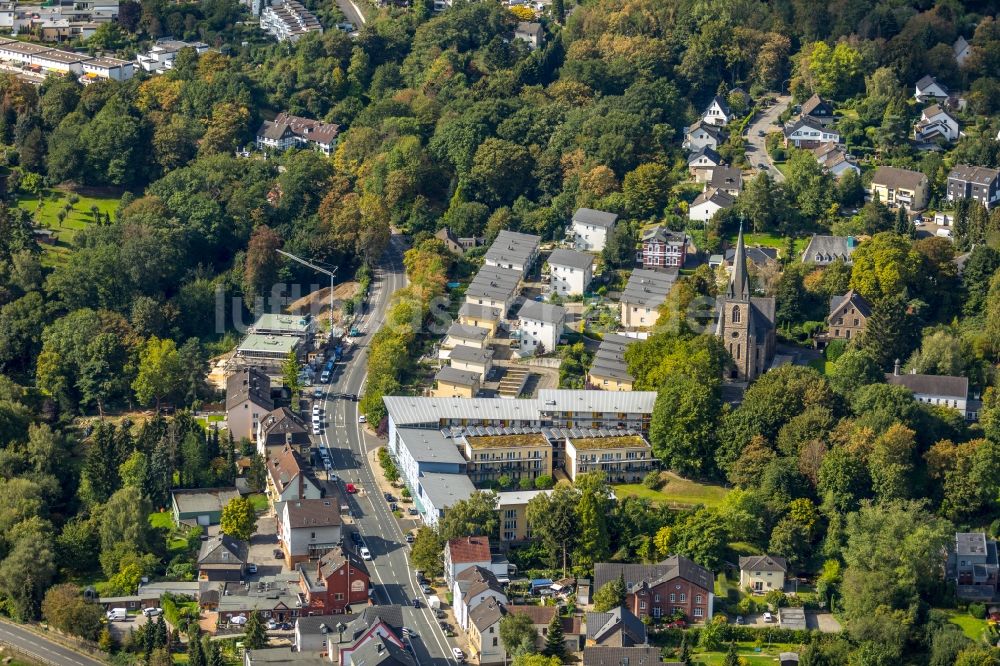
<point x="746" y="606"/>
<point x="544" y="482"/>
<point x="835" y="350"/>
<point x="653" y="480"/>
<point x="977" y="611"/>
<point x="776" y="599"/>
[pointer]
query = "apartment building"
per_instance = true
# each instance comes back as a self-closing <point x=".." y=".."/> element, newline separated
<point x="609" y="410"/>
<point x="490" y="457"/>
<point x="540" y="325"/>
<point x="288" y="21"/>
<point x="662" y="248"/>
<point x="512" y="509"/>
<point x="900" y="187"/>
<point x="570" y="272"/>
<point x="976" y="183"/>
<point x="514" y="251"/>
<point x="622" y="458"/>
<point x="644" y="294"/>
<point x="590" y="229"/>
<point x="609" y="371"/>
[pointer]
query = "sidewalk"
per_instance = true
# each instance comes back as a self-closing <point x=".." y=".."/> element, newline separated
<point x="407" y="523"/>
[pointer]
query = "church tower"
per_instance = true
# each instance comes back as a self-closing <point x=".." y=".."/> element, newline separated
<point x="735" y="318"/>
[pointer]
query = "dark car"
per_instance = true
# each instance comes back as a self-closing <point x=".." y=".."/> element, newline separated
<point x="278" y="555"/>
<point x="412" y="511"/>
<point x="389" y="497"/>
<point x="393" y="506"/>
<point x="286" y="626"/>
<point x="440" y="614"/>
<point x="416" y="603"/>
<point x="355" y="538"/>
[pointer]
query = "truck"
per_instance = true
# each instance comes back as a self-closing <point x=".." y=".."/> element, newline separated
<point x="338" y="353"/>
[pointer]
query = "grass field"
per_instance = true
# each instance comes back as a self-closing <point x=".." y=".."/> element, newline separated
<point x="676" y="491"/>
<point x="161" y="519"/>
<point x="969" y="625"/>
<point x="259" y="501"/>
<point x="768" y="655"/>
<point x="79" y="217"/>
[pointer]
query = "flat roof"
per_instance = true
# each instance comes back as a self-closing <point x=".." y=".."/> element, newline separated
<point x="571" y="258"/>
<point x="416" y="410"/>
<point x="107" y="63"/>
<point x="572" y="400"/>
<point x="506" y="441"/>
<point x="25" y="48"/>
<point x="518" y="497"/>
<point x="430" y="446"/>
<point x="64" y="57"/>
<point x="444" y="490"/>
<point x="282" y="322"/>
<point x="648" y="288"/>
<point x="614" y="442"/>
<point x="269" y="343"/>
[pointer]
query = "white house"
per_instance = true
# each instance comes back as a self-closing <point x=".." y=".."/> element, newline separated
<point x="540" y="326"/>
<point x="835" y="160"/>
<point x="472" y="587"/>
<point x="962" y="49"/>
<point x="942" y="390"/>
<point x="807" y="132"/>
<point x="702" y="163"/>
<point x="308" y="529"/>
<point x="591" y="227"/>
<point x="928" y="89"/>
<point x="936" y="123"/>
<point x="530" y="32"/>
<point x="464" y="553"/>
<point x="718" y="112"/>
<point x="513" y="251"/>
<point x="708" y="203"/>
<point x="701" y="135"/>
<point x="570" y="272"/>
<point x="762" y="573"/>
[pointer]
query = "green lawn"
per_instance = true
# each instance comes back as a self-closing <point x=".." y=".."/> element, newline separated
<point x="78" y="218"/>
<point x="768" y="654"/>
<point x="969" y="625"/>
<point x="259" y="501"/>
<point x="676" y="491"/>
<point x="162" y="519"/>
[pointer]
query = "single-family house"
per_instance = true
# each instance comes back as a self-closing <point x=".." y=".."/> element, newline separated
<point x="702" y="135"/>
<point x="248" y="400"/>
<point x="708" y="203"/>
<point x="928" y="90"/>
<point x="644" y="293"/>
<point x="848" y="316"/>
<point x="962" y="49"/>
<point x="464" y="335"/>
<point x="974" y="567"/>
<point x="286" y="131"/>
<point x="540" y="325"/>
<point x="455" y="383"/>
<point x="726" y="179"/>
<point x="897" y="187"/>
<point x="222" y="558"/>
<point x="530" y="32"/>
<point x="977" y="183"/>
<point x="464" y="553"/>
<point x="590" y="228"/>
<point x="818" y="109"/>
<point x="541" y="618"/>
<point x="718" y="112"/>
<point x="480" y="316"/>
<point x="473" y="586"/>
<point x="807" y="132"/>
<point x="308" y="529"/>
<point x="470" y="359"/>
<point x="942" y="390"/>
<point x="824" y="250"/>
<point x="762" y="573"/>
<point x="570" y="272"/>
<point x="200" y="506"/>
<point x="835" y="160"/>
<point x="618" y="627"/>
<point x="702" y="162"/>
<point x="936" y="123"/>
<point x="484" y="633"/>
<point x="282" y="427"/>
<point x="609" y="371"/>
<point x="676" y="585"/>
<point x="662" y="248"/>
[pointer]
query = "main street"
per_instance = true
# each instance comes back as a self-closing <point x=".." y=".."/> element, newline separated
<point x="42" y="649"/>
<point x="350" y="446"/>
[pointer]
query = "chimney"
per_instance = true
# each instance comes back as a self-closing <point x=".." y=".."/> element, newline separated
<point x="895" y="369"/>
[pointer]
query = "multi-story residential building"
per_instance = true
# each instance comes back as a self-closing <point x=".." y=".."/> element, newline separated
<point x="512" y="510"/>
<point x="471" y="359"/>
<point x="607" y="410"/>
<point x="248" y="400"/>
<point x="702" y="163"/>
<point x="644" y="294"/>
<point x="974" y="566"/>
<point x="289" y="478"/>
<point x="726" y="179"/>
<point x="472" y="587"/>
<point x="288" y="131"/>
<point x="848" y="316"/>
<point x="283" y="427"/>
<point x="570" y="272"/>
<point x="717" y="112"/>
<point x="618" y="627"/>
<point x="463" y="335"/>
<point x="494" y="287"/>
<point x="490" y="457"/>
<point x="531" y="32"/>
<point x="657" y="590"/>
<point x="288" y="21"/>
<point x="928" y="89"/>
<point x="335" y="581"/>
<point x="942" y="390"/>
<point x="540" y="325"/>
<point x="609" y="371"/>
<point x="268" y="352"/>
<point x="590" y="228"/>
<point x="703" y="135"/>
<point x="484" y="632"/>
<point x="976" y="183"/>
<point x="708" y="203"/>
<point x="308" y="529"/>
<point x="45" y="59"/>
<point x="464" y="553"/>
<point x="900" y="187"/>
<point x="936" y="123"/>
<point x="662" y="248"/>
<point x="160" y="57"/>
<point x="513" y="251"/>
<point x="807" y="132"/>
<point x="480" y="316"/>
<point x="455" y="383"/>
<point x="541" y="618"/>
<point x="622" y="458"/>
<point x="824" y="250"/>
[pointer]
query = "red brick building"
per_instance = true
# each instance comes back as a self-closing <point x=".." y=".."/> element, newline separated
<point x="659" y="590"/>
<point x="339" y="579"/>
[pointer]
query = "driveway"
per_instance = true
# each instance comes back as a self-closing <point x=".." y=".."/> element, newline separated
<point x="262" y="546"/>
<point x="765" y="122"/>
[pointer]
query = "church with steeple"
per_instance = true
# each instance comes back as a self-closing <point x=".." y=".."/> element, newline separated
<point x="746" y="322"/>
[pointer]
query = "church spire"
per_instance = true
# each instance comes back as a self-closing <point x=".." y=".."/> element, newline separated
<point x="739" y="283"/>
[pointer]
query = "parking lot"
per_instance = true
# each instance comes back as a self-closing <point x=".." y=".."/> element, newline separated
<point x="263" y="545"/>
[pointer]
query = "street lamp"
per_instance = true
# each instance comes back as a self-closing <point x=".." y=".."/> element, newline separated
<point x="318" y="270"/>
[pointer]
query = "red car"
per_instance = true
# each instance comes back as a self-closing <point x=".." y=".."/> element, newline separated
<point x="351" y="489"/>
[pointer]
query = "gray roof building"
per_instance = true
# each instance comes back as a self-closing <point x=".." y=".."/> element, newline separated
<point x="707" y="153"/>
<point x="426" y="445"/>
<point x="635" y="575"/>
<point x="474" y="311"/>
<point x="649" y="288"/>
<point x="939" y="385"/>
<point x="543" y="312"/>
<point x="620" y="621"/>
<point x="609" y="361"/>
<point x="469" y="354"/>
<point x="222" y="550"/>
<point x="457" y="377"/>
<point x="823" y="250"/>
<point x="596" y="218"/>
<point x="571" y="258"/>
<point x="622" y="402"/>
<point x="511" y="247"/>
<point x="484" y="615"/>
<point x="248" y="384"/>
<point x="763" y="563"/>
<point x="856" y="299"/>
<point x="466" y="332"/>
<point x="727" y="179"/>
<point x="638" y="655"/>
<point x="443" y="490"/>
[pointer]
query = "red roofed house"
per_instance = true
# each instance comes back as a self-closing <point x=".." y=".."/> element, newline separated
<point x="339" y="579"/>
<point x="461" y="554"/>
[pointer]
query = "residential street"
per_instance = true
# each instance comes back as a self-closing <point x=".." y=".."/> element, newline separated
<point x="756" y="150"/>
<point x="350" y="445"/>
<point x="41" y="649"/>
<point x="352" y="12"/>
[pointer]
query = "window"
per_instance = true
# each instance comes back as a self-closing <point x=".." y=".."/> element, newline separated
<point x="736" y="314"/>
<point x="339" y="596"/>
<point x="642" y="605"/>
<point x="684" y="597"/>
<point x="697" y="598"/>
<point x="673" y="597"/>
<point x="698" y="612"/>
<point x="494" y="640"/>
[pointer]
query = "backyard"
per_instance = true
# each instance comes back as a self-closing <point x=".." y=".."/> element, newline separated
<point x="46" y="206"/>
<point x="768" y="654"/>
<point x="676" y="491"/>
<point x="972" y="627"/>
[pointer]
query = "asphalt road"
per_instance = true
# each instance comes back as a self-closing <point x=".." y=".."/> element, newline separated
<point x="350" y="445"/>
<point x="41" y="649"/>
<point x="352" y="12"/>
<point x="756" y="150"/>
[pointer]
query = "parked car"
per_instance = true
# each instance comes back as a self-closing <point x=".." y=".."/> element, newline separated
<point x="238" y="620"/>
<point x="278" y="555"/>
<point x="252" y="568"/>
<point x="426" y="589"/>
<point x="740" y="620"/>
<point x="767" y="617"/>
<point x="409" y="538"/>
<point x="272" y="625"/>
<point x="458" y="654"/>
<point x="761" y="133"/>
<point x="419" y="575"/>
<point x="355" y="538"/>
<point x="317" y="430"/>
<point x="440" y="614"/>
<point x="151" y="612"/>
<point x="365" y="553"/>
<point x="393" y="506"/>
<point x="286" y="626"/>
<point x="412" y="511"/>
<point x="318" y="393"/>
<point x="316" y="410"/>
<point x="388" y="497"/>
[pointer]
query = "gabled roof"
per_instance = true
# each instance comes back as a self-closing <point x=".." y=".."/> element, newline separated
<point x="814" y="103"/>
<point x="648" y="288"/>
<point x="469" y="549"/>
<point x="456" y="377"/>
<point x="715" y="195"/>
<point x="467" y="332"/>
<point x="897" y="178"/>
<point x="811" y="123"/>
<point x="705" y="152"/>
<point x="381" y="652"/>
<point x="826" y="249"/>
<point x="723" y="104"/>
<point x="597" y="218"/>
<point x="726" y="178"/>
<point x="484" y="615"/>
<point x="303" y="513"/>
<point x="935" y="110"/>
<point x="530" y="28"/>
<point x="391" y="616"/>
<point x="470" y="354"/>
<point x="543" y="312"/>
<point x="974" y="174"/>
<point x="763" y="563"/>
<point x="928" y="81"/>
<point x="600" y="626"/>
<point x="248" y="384"/>
<point x="713" y="131"/>
<point x="330" y="563"/>
<point x="477" y="579"/>
<point x="571" y="258"/>
<point x="287" y="465"/>
<point x="942" y="385"/>
<point x="660" y="234"/>
<point x="222" y="549"/>
<point x="283" y="420"/>
<point x="637" y="655"/>
<point x="856" y="299"/>
<point x="635" y="575"/>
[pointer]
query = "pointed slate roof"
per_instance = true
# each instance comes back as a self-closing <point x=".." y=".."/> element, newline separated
<point x="739" y="283"/>
<point x="600" y="626"/>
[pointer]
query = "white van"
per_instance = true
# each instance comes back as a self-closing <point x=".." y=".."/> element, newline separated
<point x="117" y="615"/>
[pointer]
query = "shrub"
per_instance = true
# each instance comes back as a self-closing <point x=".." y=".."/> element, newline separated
<point x="653" y="480"/>
<point x="835" y="350"/>
<point x="776" y="599"/>
<point x="977" y="611"/>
